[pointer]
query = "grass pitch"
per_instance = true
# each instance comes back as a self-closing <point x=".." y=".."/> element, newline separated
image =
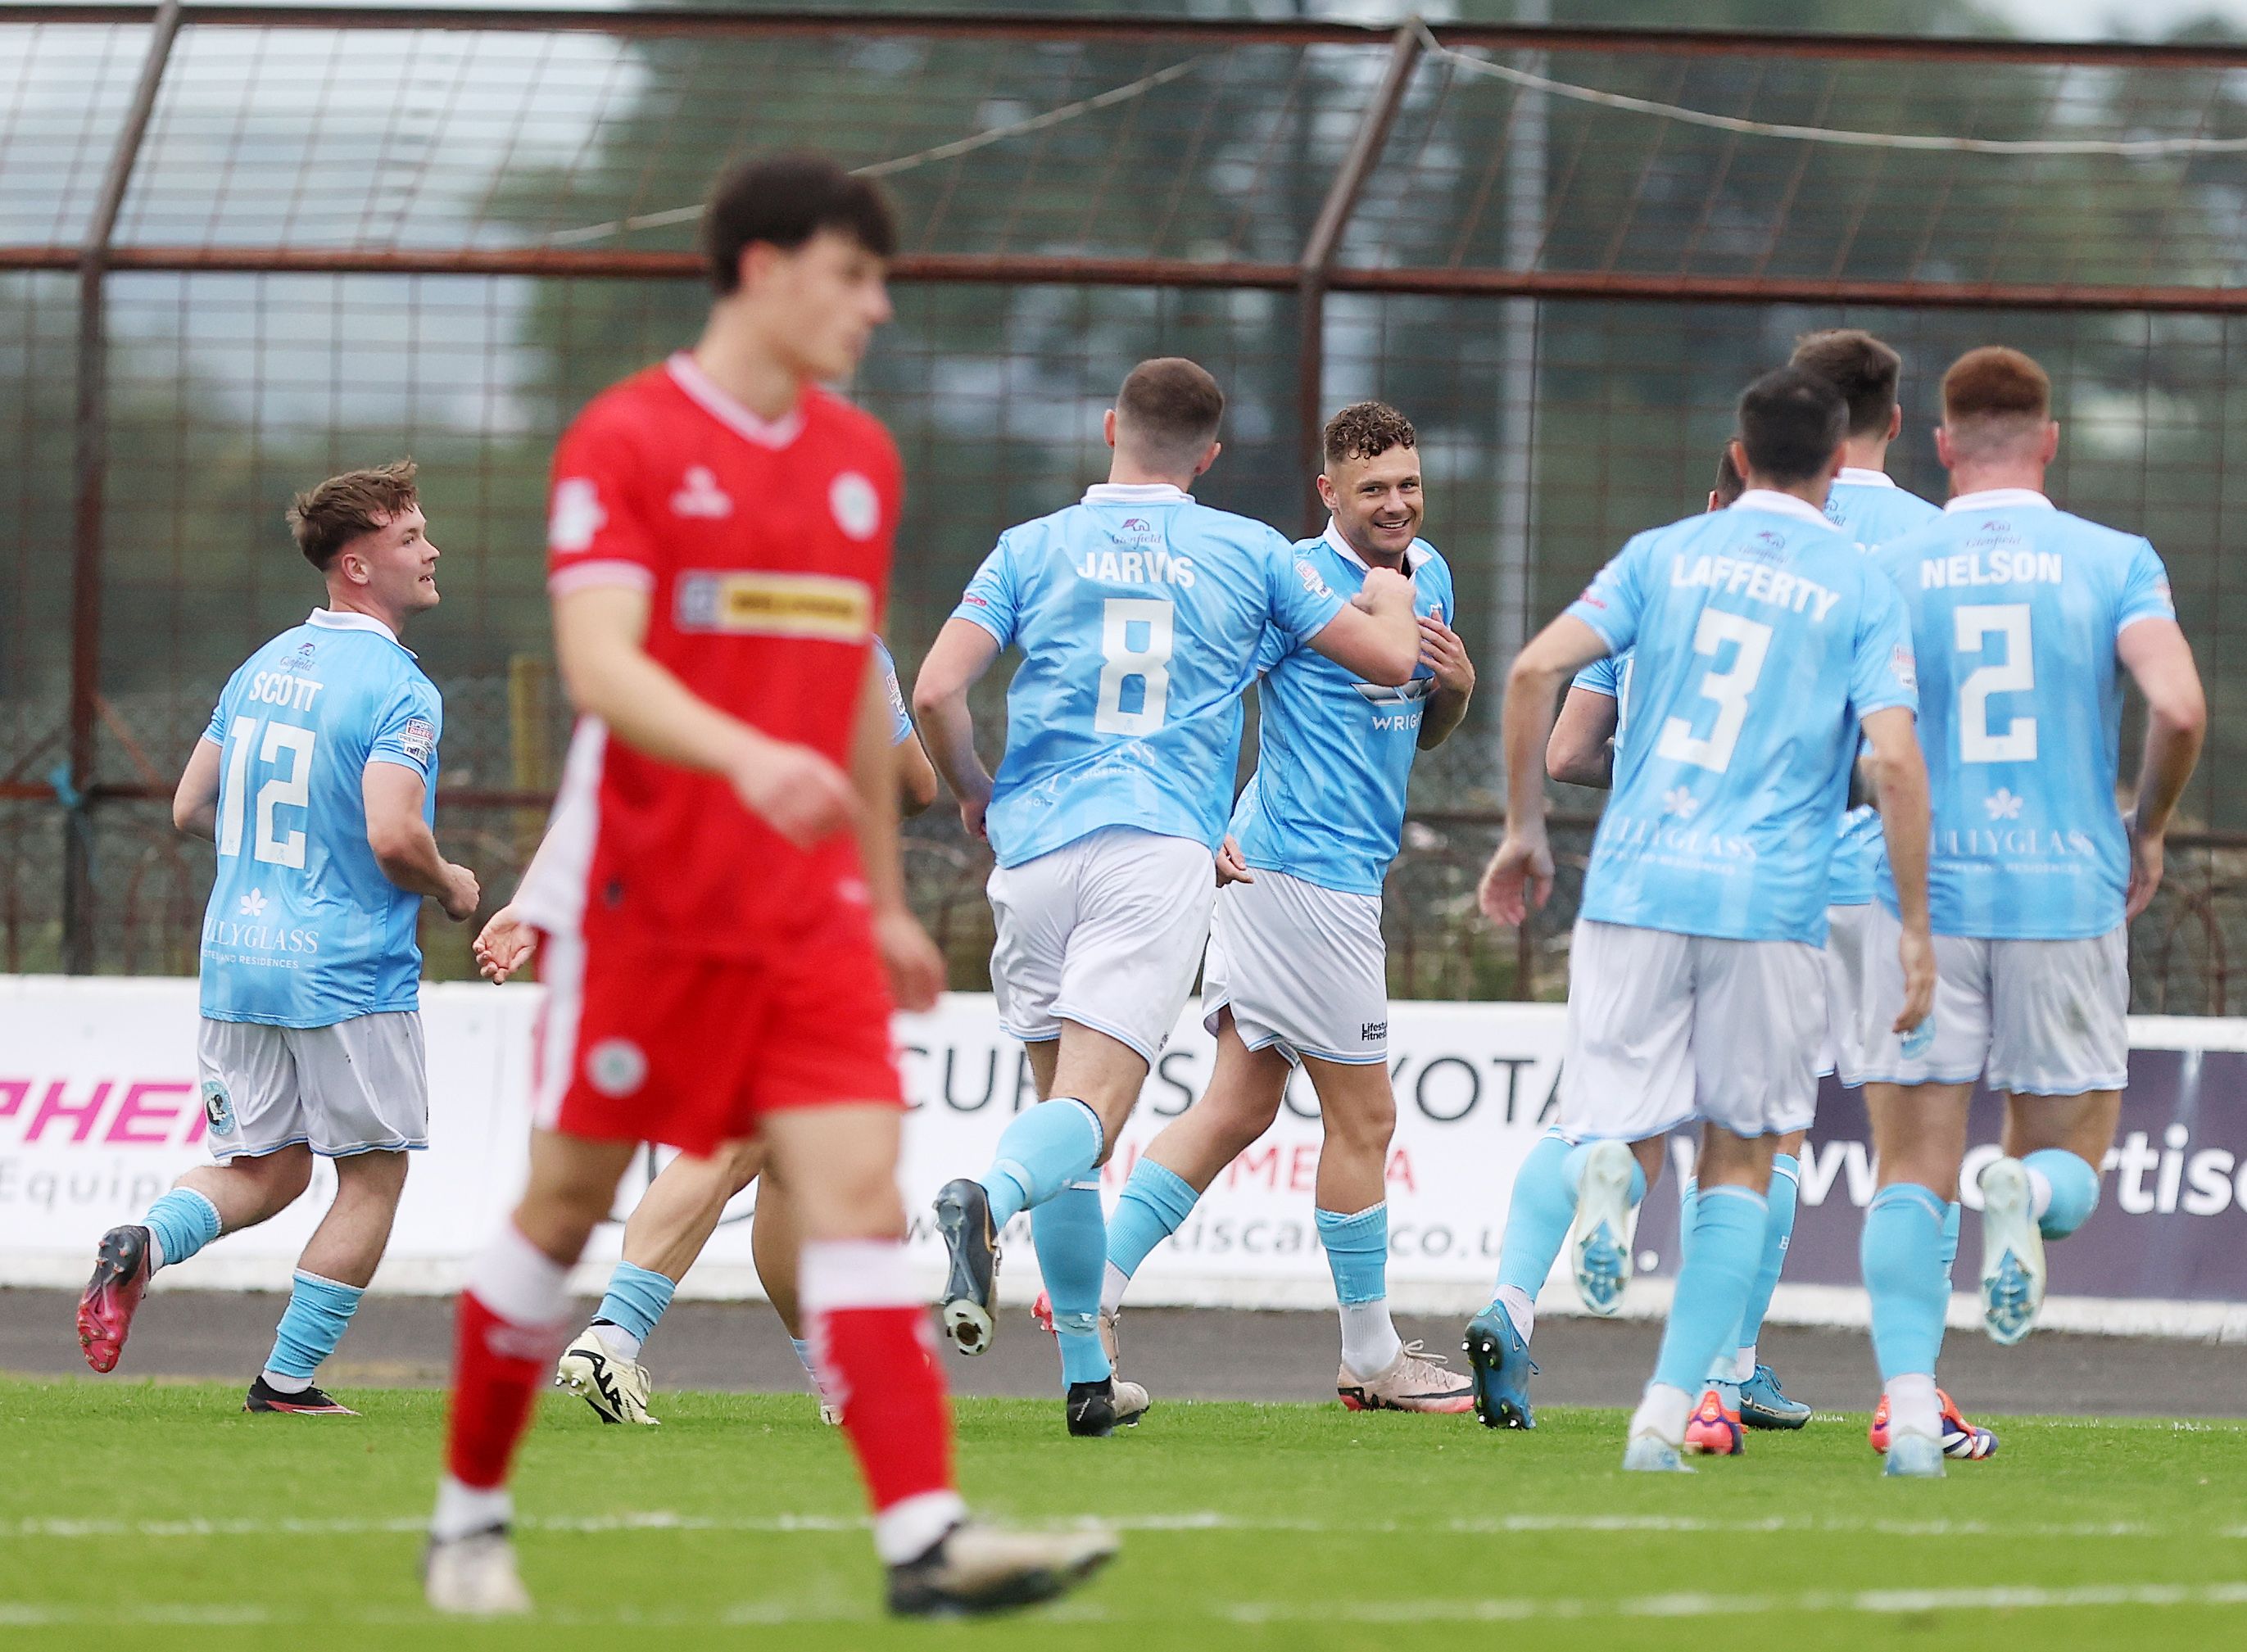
<point x="162" y="1515"/>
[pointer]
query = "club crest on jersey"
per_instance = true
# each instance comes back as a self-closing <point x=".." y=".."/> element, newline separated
<point x="616" y="1067"/>
<point x="700" y="495"/>
<point x="858" y="507"/>
<point x="576" y="516"/>
<point x="771" y="604"/>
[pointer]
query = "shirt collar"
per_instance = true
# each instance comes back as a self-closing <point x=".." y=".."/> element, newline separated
<point x="1134" y="492"/>
<point x="703" y="390"/>
<point x="1415" y="554"/>
<point x="346" y="619"/>
<point x="1781" y="504"/>
<point x="1858" y="476"/>
<point x="2002" y="499"/>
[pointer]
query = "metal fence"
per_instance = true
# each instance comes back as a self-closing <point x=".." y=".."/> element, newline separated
<point x="243" y="245"/>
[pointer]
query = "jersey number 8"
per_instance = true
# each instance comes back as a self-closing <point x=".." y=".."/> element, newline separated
<point x="293" y="790"/>
<point x="1730" y="689"/>
<point x="1149" y="661"/>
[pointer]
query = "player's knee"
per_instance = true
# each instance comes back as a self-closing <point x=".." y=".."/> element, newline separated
<point x="1365" y="1123"/>
<point x="740" y="1164"/>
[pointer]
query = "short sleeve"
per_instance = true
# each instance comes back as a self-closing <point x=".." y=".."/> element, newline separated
<point x="901" y="726"/>
<point x="595" y="531"/>
<point x="1612" y="604"/>
<point x="2145" y="589"/>
<point x="1883" y="675"/>
<point x="216" y="731"/>
<point x="1301" y="601"/>
<point x="407" y="733"/>
<point x="1599" y="678"/>
<point x="991" y="599"/>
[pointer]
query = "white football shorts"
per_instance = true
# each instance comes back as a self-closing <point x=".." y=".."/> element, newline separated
<point x="1848" y="989"/>
<point x="1664" y="1028"/>
<point x="1302" y="968"/>
<point x="361" y="1086"/>
<point x="2033" y="1017"/>
<point x="1105" y="931"/>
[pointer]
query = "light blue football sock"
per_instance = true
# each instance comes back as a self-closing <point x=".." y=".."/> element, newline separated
<point x="1055" y="1143"/>
<point x="1901" y="1251"/>
<point x="1071" y="1236"/>
<point x="1689" y="1198"/>
<point x="2074" y="1187"/>
<point x="183" y="1222"/>
<point x="636" y="1300"/>
<point x="318" y="1313"/>
<point x="1357" y="1252"/>
<point x="1713" y="1285"/>
<point x="1951" y="1213"/>
<point x="1779" y="1232"/>
<point x="1154" y="1204"/>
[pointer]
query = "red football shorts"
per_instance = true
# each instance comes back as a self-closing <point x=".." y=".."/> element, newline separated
<point x="642" y="1044"/>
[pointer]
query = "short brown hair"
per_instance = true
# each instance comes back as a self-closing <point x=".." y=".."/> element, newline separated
<point x="323" y="519"/>
<point x="1994" y="398"/>
<point x="1170" y="408"/>
<point x="785" y="201"/>
<point x="1367" y="430"/>
<point x="1863" y="369"/>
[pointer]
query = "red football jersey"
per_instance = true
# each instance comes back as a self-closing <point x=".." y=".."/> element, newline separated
<point x="764" y="549"/>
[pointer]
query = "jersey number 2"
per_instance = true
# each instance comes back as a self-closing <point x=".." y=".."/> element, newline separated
<point x="1150" y="663"/>
<point x="2016" y="673"/>
<point x="292" y="790"/>
<point x="1730" y="689"/>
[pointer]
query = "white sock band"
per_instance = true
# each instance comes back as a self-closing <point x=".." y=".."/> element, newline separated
<point x="847" y="1274"/>
<point x="518" y="1281"/>
<point x="904" y="1530"/>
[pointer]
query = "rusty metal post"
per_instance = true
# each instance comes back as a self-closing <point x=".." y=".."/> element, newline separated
<point x="1313" y="268"/>
<point x="74" y="787"/>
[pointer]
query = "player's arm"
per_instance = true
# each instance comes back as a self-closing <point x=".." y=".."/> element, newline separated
<point x="194" y="804"/>
<point x="404" y="846"/>
<point x="1442" y="652"/>
<point x="916" y="776"/>
<point x="1520" y="874"/>
<point x="964" y="651"/>
<point x="916" y="968"/>
<point x="1376" y="635"/>
<point x="2159" y="660"/>
<point x="1582" y="749"/>
<point x="598" y="635"/>
<point x="1898" y="769"/>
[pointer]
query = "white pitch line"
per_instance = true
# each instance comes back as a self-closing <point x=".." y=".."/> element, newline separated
<point x="1191" y="1520"/>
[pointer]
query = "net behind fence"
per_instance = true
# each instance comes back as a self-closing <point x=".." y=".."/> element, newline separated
<point x="1560" y="252"/>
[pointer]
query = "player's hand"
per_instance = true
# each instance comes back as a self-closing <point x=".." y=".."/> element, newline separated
<point x="972" y="810"/>
<point x="1384" y="587"/>
<point x="1518" y="881"/>
<point x="462" y="894"/>
<point x="1442" y="652"/>
<point x="795" y="790"/>
<point x="2146" y="857"/>
<point x="1231" y="869"/>
<point x="916" y="967"/>
<point x="504" y="945"/>
<point x="1917" y="951"/>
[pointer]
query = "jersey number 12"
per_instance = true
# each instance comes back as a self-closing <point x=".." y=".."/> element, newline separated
<point x="289" y="790"/>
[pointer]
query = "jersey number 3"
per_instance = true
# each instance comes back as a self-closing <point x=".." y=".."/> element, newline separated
<point x="1730" y="689"/>
<point x="289" y="790"/>
<point x="1137" y="635"/>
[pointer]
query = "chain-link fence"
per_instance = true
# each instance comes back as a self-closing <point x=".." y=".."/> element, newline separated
<point x="241" y="247"/>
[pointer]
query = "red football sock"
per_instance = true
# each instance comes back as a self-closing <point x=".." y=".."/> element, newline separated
<point x="510" y="1327"/>
<point x="870" y="1339"/>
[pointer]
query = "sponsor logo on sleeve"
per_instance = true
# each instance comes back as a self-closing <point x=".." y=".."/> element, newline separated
<point x="576" y="516"/>
<point x="418" y="739"/>
<point x="1903" y="665"/>
<point x="1313" y="581"/>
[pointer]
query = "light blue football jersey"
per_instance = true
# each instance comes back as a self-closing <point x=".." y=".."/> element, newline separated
<point x="901" y="723"/>
<point x="1759" y="636"/>
<point x="1334" y="756"/>
<point x="1868" y="507"/>
<point x="1610" y="675"/>
<point x="1139" y="611"/>
<point x="302" y="929"/>
<point x="2016" y="606"/>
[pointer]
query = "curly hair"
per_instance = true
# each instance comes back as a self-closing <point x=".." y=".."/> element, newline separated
<point x="1366" y="430"/>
